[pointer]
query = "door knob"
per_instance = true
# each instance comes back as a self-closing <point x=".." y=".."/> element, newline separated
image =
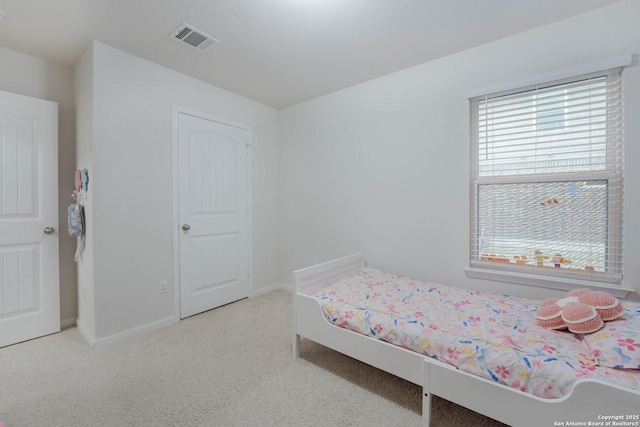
<point x="49" y="230"/>
<point x="186" y="227"/>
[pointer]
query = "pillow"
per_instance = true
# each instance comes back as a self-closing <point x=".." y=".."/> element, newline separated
<point x="617" y="345"/>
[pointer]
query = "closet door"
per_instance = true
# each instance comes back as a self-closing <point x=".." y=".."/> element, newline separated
<point x="29" y="281"/>
<point x="213" y="169"/>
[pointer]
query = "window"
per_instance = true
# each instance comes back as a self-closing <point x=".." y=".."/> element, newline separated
<point x="548" y="179"/>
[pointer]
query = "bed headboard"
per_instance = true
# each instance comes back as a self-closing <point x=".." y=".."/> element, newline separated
<point x="310" y="280"/>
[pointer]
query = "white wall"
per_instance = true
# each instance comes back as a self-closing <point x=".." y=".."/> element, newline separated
<point x="384" y="166"/>
<point x="131" y="185"/>
<point x="30" y="76"/>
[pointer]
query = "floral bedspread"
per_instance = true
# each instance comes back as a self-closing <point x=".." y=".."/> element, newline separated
<point x="489" y="335"/>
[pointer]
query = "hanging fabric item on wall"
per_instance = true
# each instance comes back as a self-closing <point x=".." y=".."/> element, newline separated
<point x="75" y="220"/>
<point x="78" y="180"/>
<point x="75" y="212"/>
<point x="84" y="178"/>
<point x="75" y="223"/>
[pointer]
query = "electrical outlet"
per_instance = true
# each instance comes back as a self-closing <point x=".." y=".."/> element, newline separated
<point x="163" y="286"/>
<point x="84" y="294"/>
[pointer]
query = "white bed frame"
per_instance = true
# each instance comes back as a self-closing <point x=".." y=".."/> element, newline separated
<point x="590" y="400"/>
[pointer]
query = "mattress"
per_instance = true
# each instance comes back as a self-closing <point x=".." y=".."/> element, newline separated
<point x="489" y="335"/>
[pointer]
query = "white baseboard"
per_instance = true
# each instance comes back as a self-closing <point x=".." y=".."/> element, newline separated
<point x="168" y="321"/>
<point x="273" y="287"/>
<point x="88" y="338"/>
<point x="129" y="333"/>
<point x="67" y="323"/>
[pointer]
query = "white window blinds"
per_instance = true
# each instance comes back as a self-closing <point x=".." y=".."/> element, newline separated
<point x="548" y="178"/>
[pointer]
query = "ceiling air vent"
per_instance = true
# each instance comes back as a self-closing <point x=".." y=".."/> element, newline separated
<point x="193" y="37"/>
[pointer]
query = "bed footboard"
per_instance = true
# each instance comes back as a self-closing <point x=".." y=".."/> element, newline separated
<point x="309" y="322"/>
<point x="308" y="281"/>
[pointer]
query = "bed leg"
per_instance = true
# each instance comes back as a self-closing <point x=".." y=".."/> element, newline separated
<point x="426" y="408"/>
<point x="426" y="395"/>
<point x="296" y="346"/>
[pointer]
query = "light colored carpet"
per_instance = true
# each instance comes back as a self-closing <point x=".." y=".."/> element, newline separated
<point x="231" y="366"/>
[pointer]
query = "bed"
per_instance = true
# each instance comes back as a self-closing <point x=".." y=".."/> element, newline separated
<point x="585" y="392"/>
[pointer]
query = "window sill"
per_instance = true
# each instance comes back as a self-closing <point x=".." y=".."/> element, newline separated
<point x="540" y="281"/>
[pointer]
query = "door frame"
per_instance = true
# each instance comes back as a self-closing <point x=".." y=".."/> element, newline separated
<point x="178" y="109"/>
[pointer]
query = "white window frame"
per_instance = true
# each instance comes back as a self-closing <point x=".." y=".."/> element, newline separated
<point x="547" y="278"/>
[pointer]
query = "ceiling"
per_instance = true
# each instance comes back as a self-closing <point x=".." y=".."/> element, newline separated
<point x="277" y="52"/>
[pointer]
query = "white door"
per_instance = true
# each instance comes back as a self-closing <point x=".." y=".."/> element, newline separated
<point x="29" y="283"/>
<point x="213" y="212"/>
